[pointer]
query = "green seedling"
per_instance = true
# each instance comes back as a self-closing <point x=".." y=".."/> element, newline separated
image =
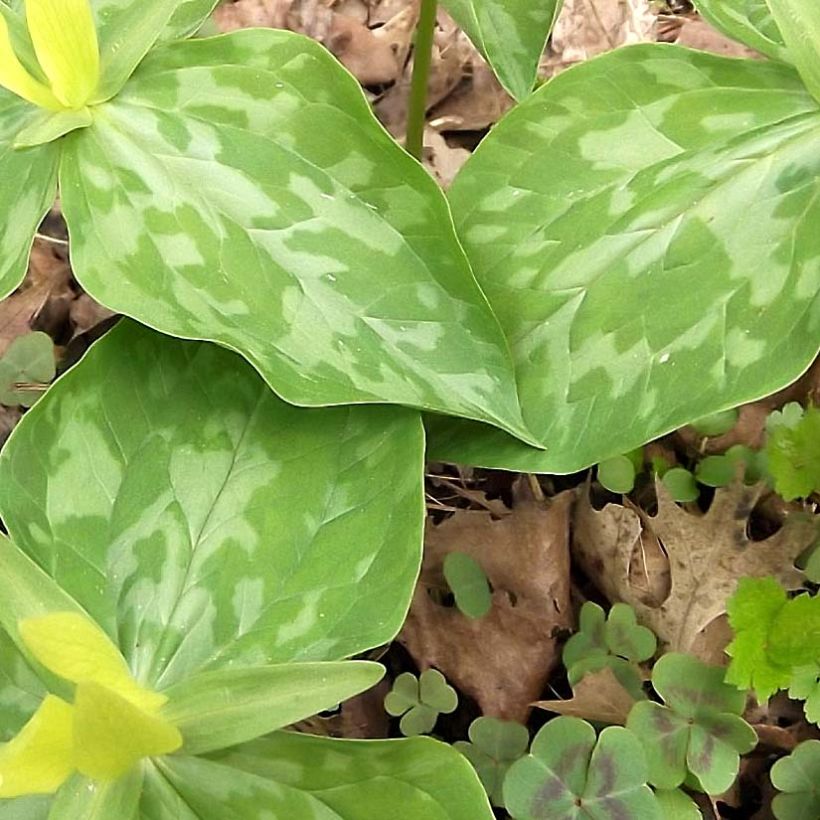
<point x="616" y="641"/>
<point x="698" y="729"/>
<point x="774" y="635"/>
<point x="420" y="701"/>
<point x="797" y="777"/>
<point x="681" y="484"/>
<point x="789" y="416"/>
<point x="494" y="746"/>
<point x="617" y="474"/>
<point x="716" y="424"/>
<point x="793" y="453"/>
<point x="26" y="368"/>
<point x="571" y="773"/>
<point x="469" y="584"/>
<point x="722" y="470"/>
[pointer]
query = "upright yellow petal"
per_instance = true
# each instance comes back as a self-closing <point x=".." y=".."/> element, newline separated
<point x="111" y="734"/>
<point x="65" y="41"/>
<point x="40" y="758"/>
<point x="75" y="648"/>
<point x="15" y="78"/>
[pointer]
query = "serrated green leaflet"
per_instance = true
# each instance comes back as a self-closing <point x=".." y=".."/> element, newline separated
<point x="511" y="34"/>
<point x="646" y="172"/>
<point x="221" y="211"/>
<point x="420" y="778"/>
<point x="210" y="531"/>
<point x="748" y="21"/>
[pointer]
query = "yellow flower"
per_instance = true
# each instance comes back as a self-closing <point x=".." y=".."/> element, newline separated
<point x="65" y="43"/>
<point x="113" y="722"/>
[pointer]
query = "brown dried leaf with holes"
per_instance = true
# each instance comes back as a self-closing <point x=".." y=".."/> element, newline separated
<point x="504" y="659"/>
<point x="706" y="555"/>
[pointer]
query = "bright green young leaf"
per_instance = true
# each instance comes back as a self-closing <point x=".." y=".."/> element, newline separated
<point x="206" y="523"/>
<point x="681" y="484"/>
<point x="511" y="34"/>
<point x="419" y="701"/>
<point x="647" y="171"/>
<point x="716" y="471"/>
<point x="617" y="474"/>
<point x="230" y="706"/>
<point x="794" y="456"/>
<point x="799" y="23"/>
<point x="207" y="201"/>
<point x="805" y="685"/>
<point x="414" y="779"/>
<point x="469" y="584"/>
<point x="567" y="774"/>
<point x="494" y="746"/>
<point x="798" y="777"/>
<point x="618" y="634"/>
<point x="28" y="360"/>
<point x="747" y="21"/>
<point x="699" y="729"/>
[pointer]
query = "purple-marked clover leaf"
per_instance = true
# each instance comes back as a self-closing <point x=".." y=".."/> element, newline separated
<point x="494" y="746"/>
<point x="773" y="635"/>
<point x="805" y="685"/>
<point x="697" y="730"/>
<point x="797" y="777"/>
<point x="419" y="701"/>
<point x="570" y="774"/>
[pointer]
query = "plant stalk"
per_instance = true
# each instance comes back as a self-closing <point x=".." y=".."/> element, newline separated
<point x="422" y="59"/>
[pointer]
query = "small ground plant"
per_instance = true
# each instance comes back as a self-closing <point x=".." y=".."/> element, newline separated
<point x="197" y="554"/>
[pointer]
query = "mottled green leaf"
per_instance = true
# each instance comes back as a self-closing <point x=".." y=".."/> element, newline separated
<point x="717" y="423"/>
<point x="799" y="24"/>
<point x="210" y="201"/>
<point x="29" y="360"/>
<point x="207" y="524"/>
<point x="367" y="780"/>
<point x="20" y="689"/>
<point x="230" y="706"/>
<point x="28" y="185"/>
<point x="645" y="229"/>
<point x="567" y="774"/>
<point x="25" y="808"/>
<point x="93" y="800"/>
<point x="698" y="731"/>
<point x="511" y="34"/>
<point x="747" y="21"/>
<point x="798" y="776"/>
<point x="494" y="746"/>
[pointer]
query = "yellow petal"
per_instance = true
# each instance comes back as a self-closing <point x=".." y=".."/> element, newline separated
<point x="16" y="79"/>
<point x="75" y="648"/>
<point x="111" y="734"/>
<point x="65" y="41"/>
<point x="40" y="758"/>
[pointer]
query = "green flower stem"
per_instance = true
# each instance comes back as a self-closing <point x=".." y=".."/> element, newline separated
<point x="422" y="58"/>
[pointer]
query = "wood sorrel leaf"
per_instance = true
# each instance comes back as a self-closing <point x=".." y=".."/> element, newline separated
<point x="647" y="172"/>
<point x="569" y="774"/>
<point x="347" y="779"/>
<point x="221" y="211"/>
<point x="748" y="21"/>
<point x="511" y="34"/>
<point x="206" y="523"/>
<point x="220" y="709"/>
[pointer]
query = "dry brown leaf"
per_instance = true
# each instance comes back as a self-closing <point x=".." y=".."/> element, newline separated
<point x="707" y="555"/>
<point x="504" y="659"/>
<point x="441" y="159"/>
<point x="597" y="696"/>
<point x="696" y="33"/>
<point x="18" y="312"/>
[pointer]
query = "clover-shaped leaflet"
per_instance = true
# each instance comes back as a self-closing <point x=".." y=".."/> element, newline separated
<point x="697" y="730"/>
<point x="494" y="746"/>
<point x="419" y="701"/>
<point x="569" y="773"/>
<point x="797" y="777"/>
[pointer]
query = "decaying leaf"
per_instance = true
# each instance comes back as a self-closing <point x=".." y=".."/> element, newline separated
<point x="707" y="555"/>
<point x="598" y="696"/>
<point x="504" y="659"/>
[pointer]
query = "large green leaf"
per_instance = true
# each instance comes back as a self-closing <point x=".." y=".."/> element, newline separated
<point x="748" y="21"/>
<point x="20" y="689"/>
<point x="239" y="190"/>
<point x="415" y="779"/>
<point x="91" y="800"/>
<point x="203" y="522"/>
<point x="511" y="34"/>
<point x="28" y="185"/>
<point x="799" y="23"/>
<point x="645" y="227"/>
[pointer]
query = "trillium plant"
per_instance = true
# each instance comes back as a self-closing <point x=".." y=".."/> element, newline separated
<point x="221" y="504"/>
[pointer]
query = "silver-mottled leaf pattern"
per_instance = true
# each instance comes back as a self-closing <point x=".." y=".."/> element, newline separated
<point x="645" y="227"/>
<point x="205" y="523"/>
<point x="208" y="201"/>
<point x="747" y="21"/>
<point x="511" y="34"/>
